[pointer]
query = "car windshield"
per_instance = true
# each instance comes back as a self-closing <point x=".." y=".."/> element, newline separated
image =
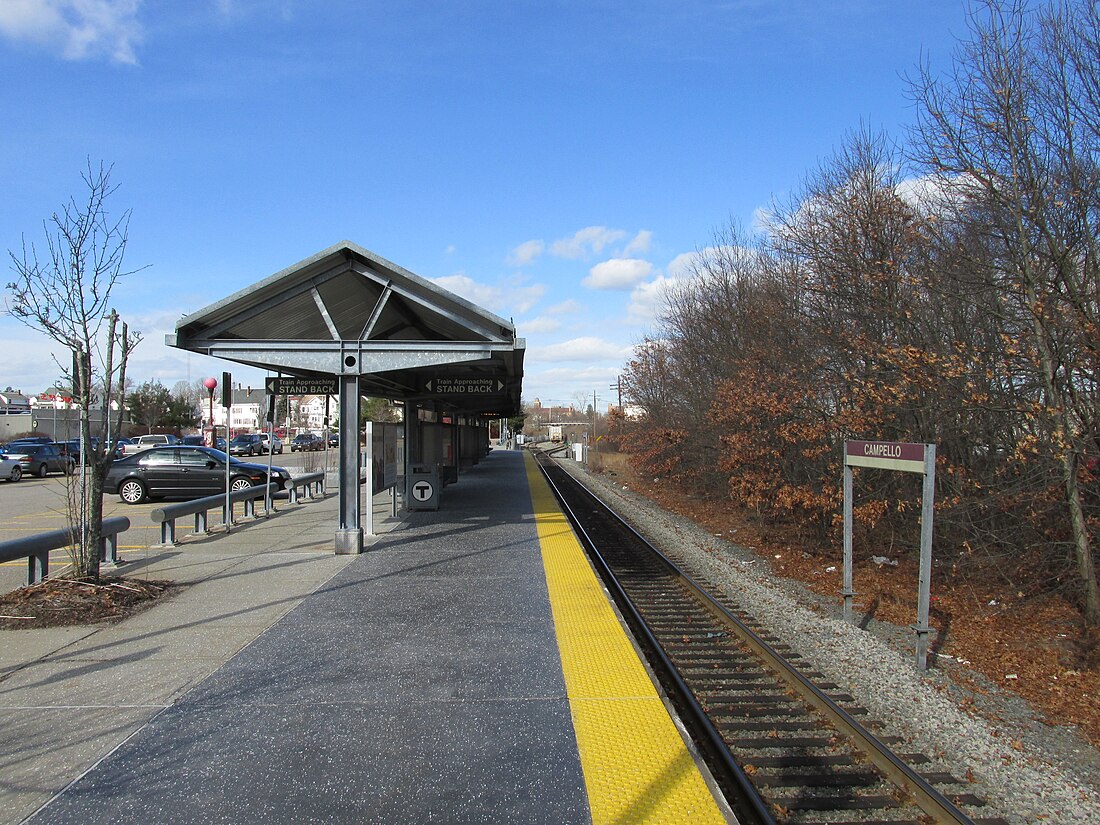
<point x="218" y="455"/>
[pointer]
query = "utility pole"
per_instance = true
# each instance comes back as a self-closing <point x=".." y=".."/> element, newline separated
<point x="618" y="387"/>
<point x="594" y="416"/>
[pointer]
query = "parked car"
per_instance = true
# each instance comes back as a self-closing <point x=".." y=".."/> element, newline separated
<point x="334" y="439"/>
<point x="184" y="472"/>
<point x="145" y="442"/>
<point x="120" y="446"/>
<point x="10" y="468"/>
<point x="34" y="439"/>
<point x="19" y="443"/>
<point x="246" y="444"/>
<point x="72" y="447"/>
<point x="40" y="459"/>
<point x="193" y="440"/>
<point x="266" y="437"/>
<point x="306" y="441"/>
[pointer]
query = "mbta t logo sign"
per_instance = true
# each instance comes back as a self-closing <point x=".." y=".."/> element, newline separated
<point x="422" y="490"/>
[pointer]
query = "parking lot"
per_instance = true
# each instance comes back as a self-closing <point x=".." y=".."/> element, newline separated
<point x="37" y="505"/>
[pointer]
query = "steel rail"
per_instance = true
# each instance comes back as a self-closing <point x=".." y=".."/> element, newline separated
<point x="941" y="810"/>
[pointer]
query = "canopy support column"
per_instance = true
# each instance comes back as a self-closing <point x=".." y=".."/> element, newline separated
<point x="349" y="536"/>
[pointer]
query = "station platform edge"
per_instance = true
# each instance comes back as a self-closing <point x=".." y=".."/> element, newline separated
<point x="636" y="765"/>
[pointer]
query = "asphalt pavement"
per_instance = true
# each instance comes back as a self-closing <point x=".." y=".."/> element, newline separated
<point x="70" y="696"/>
<point x="36" y="505"/>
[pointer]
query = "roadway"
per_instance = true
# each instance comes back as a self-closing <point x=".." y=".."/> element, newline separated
<point x="37" y="505"/>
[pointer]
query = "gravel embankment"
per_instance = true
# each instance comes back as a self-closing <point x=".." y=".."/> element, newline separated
<point x="1028" y="771"/>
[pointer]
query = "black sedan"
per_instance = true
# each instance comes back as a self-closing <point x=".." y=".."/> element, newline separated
<point x="307" y="441"/>
<point x="183" y="472"/>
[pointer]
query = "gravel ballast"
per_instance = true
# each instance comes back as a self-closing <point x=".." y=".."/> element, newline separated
<point x="1029" y="772"/>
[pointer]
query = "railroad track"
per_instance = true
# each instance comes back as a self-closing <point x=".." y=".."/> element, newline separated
<point x="784" y="744"/>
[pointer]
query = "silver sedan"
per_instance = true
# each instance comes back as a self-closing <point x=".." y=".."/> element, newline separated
<point x="10" y="468"/>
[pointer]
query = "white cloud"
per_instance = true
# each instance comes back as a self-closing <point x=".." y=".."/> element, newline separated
<point x="505" y="300"/>
<point x="79" y="29"/>
<point x="588" y="241"/>
<point x="33" y="361"/>
<point x="681" y="266"/>
<point x="587" y="348"/>
<point x="522" y="299"/>
<point x="935" y="195"/>
<point x="763" y="218"/>
<point x="566" y="307"/>
<point x="526" y="252"/>
<point x="540" y="324"/>
<point x="684" y="266"/>
<point x="640" y="244"/>
<point x="583" y="377"/>
<point x="573" y="386"/>
<point x="648" y="299"/>
<point x="618" y="273"/>
<point x="466" y="287"/>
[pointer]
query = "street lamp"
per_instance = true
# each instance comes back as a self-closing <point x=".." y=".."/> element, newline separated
<point x="211" y="384"/>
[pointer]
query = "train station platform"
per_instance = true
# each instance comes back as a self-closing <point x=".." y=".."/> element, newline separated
<point x="467" y="668"/>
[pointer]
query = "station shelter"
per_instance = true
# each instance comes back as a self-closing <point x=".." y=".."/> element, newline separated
<point x="347" y="319"/>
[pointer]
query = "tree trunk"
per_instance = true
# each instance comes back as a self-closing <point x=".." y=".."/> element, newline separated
<point x="1082" y="544"/>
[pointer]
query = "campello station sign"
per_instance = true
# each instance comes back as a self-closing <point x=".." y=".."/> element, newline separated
<point x="885" y="455"/>
<point x="906" y="458"/>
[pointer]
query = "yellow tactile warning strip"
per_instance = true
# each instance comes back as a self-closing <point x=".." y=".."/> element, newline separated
<point x="636" y="766"/>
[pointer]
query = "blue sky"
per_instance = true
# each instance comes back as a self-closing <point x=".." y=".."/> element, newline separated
<point x="554" y="162"/>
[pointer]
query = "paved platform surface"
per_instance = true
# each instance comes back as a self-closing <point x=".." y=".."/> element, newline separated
<point x="419" y="682"/>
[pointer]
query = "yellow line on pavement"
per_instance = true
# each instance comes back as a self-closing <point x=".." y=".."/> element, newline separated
<point x="637" y="767"/>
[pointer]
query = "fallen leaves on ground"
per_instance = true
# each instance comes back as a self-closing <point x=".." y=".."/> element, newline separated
<point x="61" y="602"/>
<point x="1033" y="646"/>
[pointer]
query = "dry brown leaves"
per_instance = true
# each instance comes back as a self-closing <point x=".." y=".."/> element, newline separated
<point x="63" y="602"/>
<point x="1034" y="647"/>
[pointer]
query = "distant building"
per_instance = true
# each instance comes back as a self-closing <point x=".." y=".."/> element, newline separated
<point x="309" y="411"/>
<point x="54" y="398"/>
<point x="13" y="402"/>
<point x="250" y="407"/>
<point x="245" y="415"/>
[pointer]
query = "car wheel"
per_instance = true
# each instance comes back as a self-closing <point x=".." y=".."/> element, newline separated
<point x="132" y="491"/>
<point x="16" y="473"/>
<point x="240" y="484"/>
<point x="43" y="470"/>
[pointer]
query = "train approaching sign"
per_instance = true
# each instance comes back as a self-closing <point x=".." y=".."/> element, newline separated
<point x="302" y="386"/>
<point x="464" y="385"/>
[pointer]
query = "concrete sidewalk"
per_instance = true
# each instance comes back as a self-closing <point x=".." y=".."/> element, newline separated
<point x="69" y="696"/>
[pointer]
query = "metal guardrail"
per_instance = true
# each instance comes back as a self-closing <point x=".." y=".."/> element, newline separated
<point x="314" y="484"/>
<point x="36" y="549"/>
<point x="166" y="516"/>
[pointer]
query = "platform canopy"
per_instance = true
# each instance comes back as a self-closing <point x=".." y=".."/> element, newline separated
<point x="346" y="311"/>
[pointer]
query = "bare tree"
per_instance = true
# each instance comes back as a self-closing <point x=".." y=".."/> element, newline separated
<point x="66" y="293"/>
<point x="1006" y="132"/>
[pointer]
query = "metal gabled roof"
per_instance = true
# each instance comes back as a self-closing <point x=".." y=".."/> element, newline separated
<point x="346" y="311"/>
